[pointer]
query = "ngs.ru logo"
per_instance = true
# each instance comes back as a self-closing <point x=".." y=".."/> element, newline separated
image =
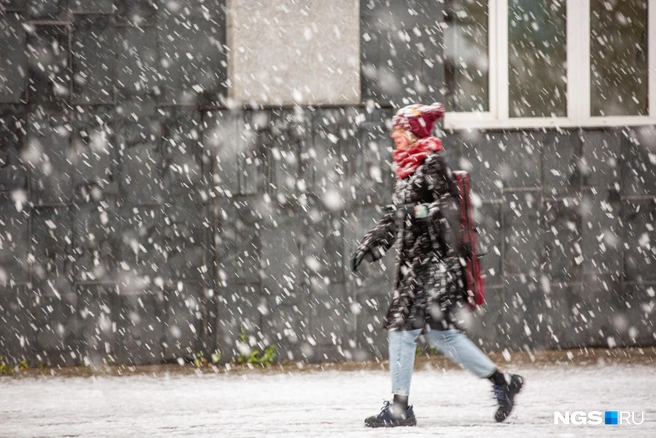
<point x="598" y="417"/>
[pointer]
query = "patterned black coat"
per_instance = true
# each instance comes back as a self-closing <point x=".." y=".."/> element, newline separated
<point x="428" y="276"/>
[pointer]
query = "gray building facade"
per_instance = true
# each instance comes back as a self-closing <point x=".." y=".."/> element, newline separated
<point x="153" y="209"/>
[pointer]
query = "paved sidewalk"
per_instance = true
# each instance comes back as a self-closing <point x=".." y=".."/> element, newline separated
<point x="448" y="403"/>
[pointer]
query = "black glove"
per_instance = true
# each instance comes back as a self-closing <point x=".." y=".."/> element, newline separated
<point x="358" y="256"/>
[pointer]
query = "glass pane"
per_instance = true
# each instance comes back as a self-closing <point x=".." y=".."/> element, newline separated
<point x="537" y="58"/>
<point x="618" y="58"/>
<point x="466" y="55"/>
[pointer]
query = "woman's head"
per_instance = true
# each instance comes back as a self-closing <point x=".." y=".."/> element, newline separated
<point x="417" y="120"/>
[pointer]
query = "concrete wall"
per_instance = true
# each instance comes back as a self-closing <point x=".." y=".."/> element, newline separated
<point x="144" y="219"/>
<point x="568" y="217"/>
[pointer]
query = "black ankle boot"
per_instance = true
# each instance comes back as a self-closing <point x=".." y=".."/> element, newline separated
<point x="505" y="396"/>
<point x="401" y="401"/>
<point x="392" y="416"/>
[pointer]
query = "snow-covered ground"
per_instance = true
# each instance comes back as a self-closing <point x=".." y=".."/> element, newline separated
<point x="448" y="403"/>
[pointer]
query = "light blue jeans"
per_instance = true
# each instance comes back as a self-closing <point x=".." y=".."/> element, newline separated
<point x="452" y="343"/>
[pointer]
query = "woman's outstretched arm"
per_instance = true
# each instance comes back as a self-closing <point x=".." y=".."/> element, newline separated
<point x="377" y="241"/>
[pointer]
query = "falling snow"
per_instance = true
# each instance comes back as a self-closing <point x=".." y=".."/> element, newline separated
<point x="159" y="201"/>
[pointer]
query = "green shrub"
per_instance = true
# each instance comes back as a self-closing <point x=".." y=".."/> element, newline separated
<point x="264" y="358"/>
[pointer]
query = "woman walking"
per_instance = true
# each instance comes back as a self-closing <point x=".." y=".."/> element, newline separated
<point x="423" y="222"/>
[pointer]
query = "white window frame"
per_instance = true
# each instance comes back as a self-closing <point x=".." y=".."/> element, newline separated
<point x="578" y="76"/>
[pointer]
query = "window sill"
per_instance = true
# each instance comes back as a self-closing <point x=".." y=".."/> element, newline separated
<point x="485" y="121"/>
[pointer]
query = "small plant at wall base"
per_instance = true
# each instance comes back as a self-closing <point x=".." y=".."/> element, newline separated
<point x="7" y="370"/>
<point x="428" y="351"/>
<point x="200" y="360"/>
<point x="264" y="358"/>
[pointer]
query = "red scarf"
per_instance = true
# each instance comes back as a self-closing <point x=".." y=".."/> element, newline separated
<point x="407" y="160"/>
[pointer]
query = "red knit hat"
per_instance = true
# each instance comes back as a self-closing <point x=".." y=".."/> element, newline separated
<point x="418" y="118"/>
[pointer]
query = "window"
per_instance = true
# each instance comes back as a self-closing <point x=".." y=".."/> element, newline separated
<point x="618" y="58"/>
<point x="466" y="63"/>
<point x="539" y="63"/>
<point x="537" y="58"/>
